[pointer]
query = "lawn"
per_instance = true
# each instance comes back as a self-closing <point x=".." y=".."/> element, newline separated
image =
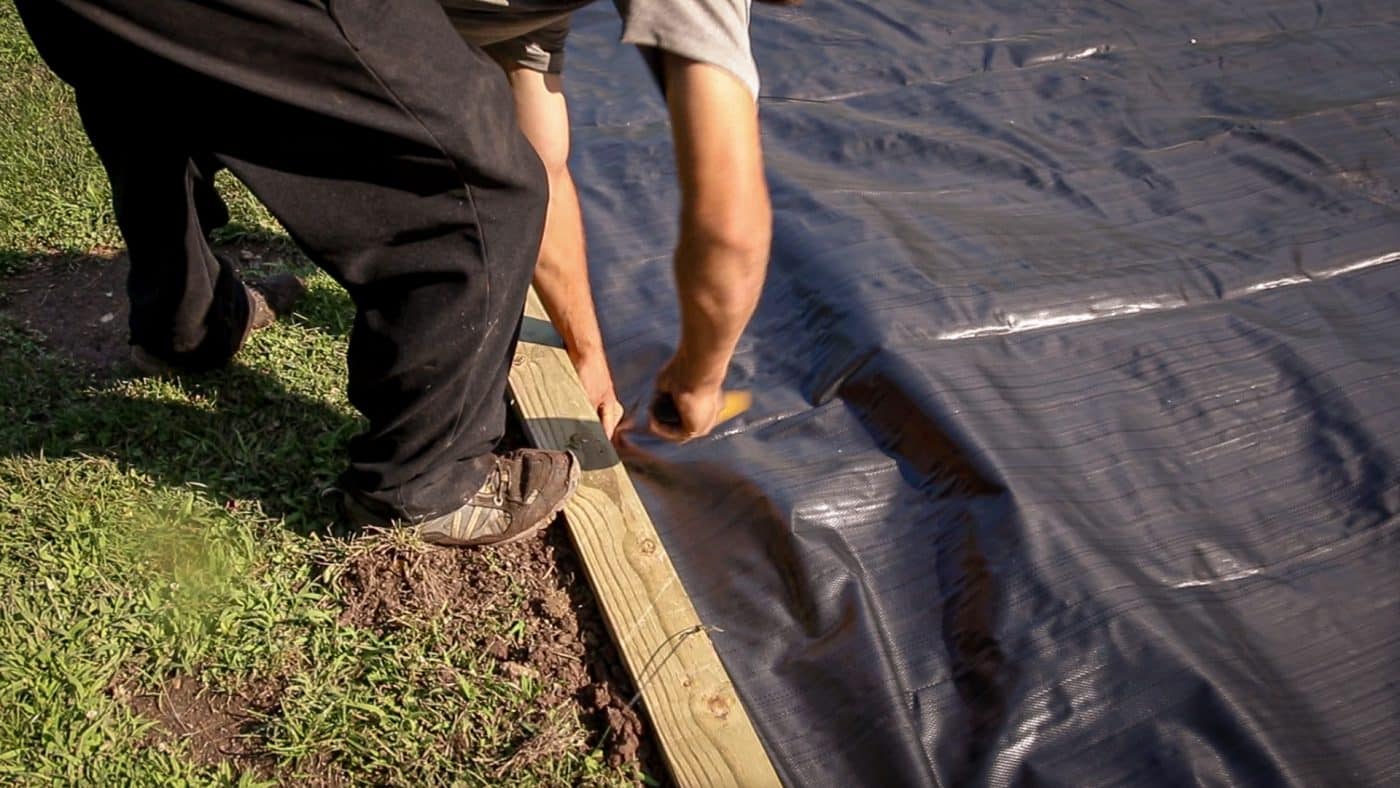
<point x="176" y="606"/>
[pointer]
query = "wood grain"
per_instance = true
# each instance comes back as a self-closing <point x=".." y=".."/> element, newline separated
<point x="702" y="728"/>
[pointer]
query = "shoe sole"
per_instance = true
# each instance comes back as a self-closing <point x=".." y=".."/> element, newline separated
<point x="575" y="474"/>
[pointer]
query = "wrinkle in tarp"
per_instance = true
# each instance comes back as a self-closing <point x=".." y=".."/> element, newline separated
<point x="1077" y="388"/>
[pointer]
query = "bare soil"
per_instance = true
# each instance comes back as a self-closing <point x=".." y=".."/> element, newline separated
<point x="78" y="304"/>
<point x="564" y="641"/>
<point x="217" y="726"/>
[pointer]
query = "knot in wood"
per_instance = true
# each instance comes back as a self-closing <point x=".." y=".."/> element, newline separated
<point x="719" y="706"/>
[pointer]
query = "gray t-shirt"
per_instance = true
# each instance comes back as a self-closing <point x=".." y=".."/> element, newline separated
<point x="532" y="32"/>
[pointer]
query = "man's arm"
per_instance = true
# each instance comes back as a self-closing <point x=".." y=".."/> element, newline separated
<point x="726" y="229"/>
<point x="561" y="276"/>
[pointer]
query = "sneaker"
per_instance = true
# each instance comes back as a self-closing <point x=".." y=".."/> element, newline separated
<point x="524" y="492"/>
<point x="268" y="299"/>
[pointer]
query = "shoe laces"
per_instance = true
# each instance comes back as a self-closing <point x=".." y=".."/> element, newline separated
<point x="499" y="482"/>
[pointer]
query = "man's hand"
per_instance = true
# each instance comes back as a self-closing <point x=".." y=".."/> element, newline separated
<point x="697" y="403"/>
<point x="597" y="382"/>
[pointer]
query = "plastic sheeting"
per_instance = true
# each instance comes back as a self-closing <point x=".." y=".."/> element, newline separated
<point x="1077" y="381"/>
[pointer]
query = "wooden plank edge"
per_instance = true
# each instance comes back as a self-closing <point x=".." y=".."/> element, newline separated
<point x="701" y="727"/>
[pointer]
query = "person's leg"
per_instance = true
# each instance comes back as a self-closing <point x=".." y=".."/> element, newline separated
<point x="435" y="239"/>
<point x="389" y="150"/>
<point x="188" y="307"/>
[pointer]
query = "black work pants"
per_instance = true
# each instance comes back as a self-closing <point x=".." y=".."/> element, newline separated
<point x="386" y="146"/>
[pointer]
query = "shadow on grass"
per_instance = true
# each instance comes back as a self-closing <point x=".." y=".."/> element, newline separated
<point x="237" y="435"/>
<point x="242" y="436"/>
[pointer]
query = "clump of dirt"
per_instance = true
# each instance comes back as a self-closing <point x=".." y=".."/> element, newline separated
<point x="564" y="642"/>
<point x="219" y="727"/>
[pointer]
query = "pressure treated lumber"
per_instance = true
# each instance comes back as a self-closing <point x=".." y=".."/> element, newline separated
<point x="699" y="723"/>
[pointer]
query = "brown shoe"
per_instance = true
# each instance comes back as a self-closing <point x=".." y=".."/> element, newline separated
<point x="268" y="299"/>
<point x="271" y="298"/>
<point x="522" y="494"/>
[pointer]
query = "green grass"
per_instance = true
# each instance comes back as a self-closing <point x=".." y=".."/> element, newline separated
<point x="153" y="529"/>
<point x="54" y="195"/>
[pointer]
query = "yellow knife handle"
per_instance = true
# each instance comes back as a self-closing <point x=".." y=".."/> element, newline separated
<point x="664" y="410"/>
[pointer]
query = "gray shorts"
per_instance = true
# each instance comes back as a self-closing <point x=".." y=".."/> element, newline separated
<point x="531" y="33"/>
<point x="538" y="50"/>
<point x="533" y="43"/>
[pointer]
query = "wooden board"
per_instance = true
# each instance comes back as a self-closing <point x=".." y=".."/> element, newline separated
<point x="699" y="723"/>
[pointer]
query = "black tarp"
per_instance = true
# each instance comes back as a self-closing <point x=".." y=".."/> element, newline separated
<point x="1077" y="381"/>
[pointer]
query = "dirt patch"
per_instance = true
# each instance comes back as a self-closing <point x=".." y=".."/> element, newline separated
<point x="563" y="641"/>
<point x="218" y="727"/>
<point x="78" y="304"/>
